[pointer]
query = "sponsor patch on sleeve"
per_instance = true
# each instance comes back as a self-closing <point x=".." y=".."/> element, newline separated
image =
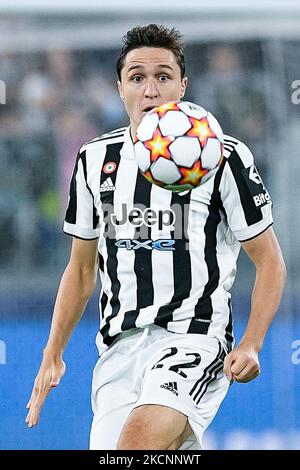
<point x="260" y="195"/>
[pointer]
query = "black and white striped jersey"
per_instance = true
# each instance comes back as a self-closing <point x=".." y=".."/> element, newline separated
<point x="165" y="258"/>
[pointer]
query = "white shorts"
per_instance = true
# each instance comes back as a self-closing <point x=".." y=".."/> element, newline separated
<point x="156" y="366"/>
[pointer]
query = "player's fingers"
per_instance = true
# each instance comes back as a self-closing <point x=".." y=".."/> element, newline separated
<point x="28" y="417"/>
<point x="54" y="383"/>
<point x="32" y="418"/>
<point x="57" y="373"/>
<point x="37" y="403"/>
<point x="250" y="372"/>
<point x="33" y="393"/>
<point x="41" y="397"/>
<point x="42" y="386"/>
<point x="239" y="365"/>
<point x="31" y="399"/>
<point x="56" y="379"/>
<point x="227" y="366"/>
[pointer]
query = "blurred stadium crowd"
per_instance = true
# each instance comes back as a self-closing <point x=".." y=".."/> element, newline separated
<point x="55" y="101"/>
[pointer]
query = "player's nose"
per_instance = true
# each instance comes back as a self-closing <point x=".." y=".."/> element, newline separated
<point x="151" y="90"/>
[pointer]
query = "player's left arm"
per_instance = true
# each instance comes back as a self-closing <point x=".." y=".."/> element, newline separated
<point x="242" y="363"/>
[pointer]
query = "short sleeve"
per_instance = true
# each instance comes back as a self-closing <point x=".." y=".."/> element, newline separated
<point x="81" y="218"/>
<point x="245" y="199"/>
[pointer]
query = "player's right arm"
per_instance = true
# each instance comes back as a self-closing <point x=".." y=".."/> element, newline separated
<point x="76" y="287"/>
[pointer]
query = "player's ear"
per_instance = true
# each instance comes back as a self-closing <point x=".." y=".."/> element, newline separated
<point x="184" y="83"/>
<point x="120" y="90"/>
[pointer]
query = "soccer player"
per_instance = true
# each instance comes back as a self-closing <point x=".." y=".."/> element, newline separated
<point x="165" y="340"/>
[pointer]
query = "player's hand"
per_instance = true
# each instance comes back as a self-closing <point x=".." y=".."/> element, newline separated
<point x="51" y="371"/>
<point x="242" y="364"/>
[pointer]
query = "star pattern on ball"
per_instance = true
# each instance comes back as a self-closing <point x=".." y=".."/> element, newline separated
<point x="159" y="146"/>
<point x="201" y="129"/>
<point x="164" y="108"/>
<point x="193" y="175"/>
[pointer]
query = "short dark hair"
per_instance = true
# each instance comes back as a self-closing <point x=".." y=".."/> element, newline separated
<point x="152" y="35"/>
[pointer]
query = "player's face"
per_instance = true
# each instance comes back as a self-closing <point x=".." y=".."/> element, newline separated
<point x="150" y="77"/>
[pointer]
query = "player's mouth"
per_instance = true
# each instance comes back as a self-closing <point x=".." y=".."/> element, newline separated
<point x="146" y="109"/>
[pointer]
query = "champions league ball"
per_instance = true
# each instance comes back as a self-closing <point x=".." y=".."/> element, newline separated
<point x="178" y="145"/>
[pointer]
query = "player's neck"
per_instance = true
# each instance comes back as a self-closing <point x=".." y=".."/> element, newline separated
<point x="132" y="130"/>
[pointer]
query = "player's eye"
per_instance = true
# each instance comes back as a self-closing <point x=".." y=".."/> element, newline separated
<point x="136" y="78"/>
<point x="163" y="78"/>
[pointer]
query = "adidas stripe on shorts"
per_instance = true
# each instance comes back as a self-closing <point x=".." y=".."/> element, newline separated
<point x="156" y="366"/>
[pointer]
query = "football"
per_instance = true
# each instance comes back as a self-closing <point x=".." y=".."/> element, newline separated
<point x="178" y="145"/>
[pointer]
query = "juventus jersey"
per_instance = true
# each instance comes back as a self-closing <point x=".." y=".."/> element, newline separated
<point x="165" y="258"/>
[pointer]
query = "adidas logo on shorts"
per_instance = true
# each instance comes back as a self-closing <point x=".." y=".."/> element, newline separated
<point x="172" y="386"/>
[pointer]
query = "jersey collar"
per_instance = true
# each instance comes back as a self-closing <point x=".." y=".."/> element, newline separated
<point x="127" y="149"/>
